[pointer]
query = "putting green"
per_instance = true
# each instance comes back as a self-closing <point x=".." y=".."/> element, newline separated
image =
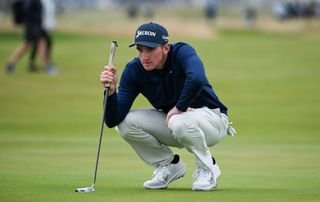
<point x="49" y="125"/>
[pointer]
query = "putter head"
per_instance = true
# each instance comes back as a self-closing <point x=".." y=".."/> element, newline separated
<point x="85" y="189"/>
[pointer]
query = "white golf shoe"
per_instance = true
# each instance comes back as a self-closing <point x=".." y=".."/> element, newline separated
<point x="205" y="180"/>
<point x="164" y="175"/>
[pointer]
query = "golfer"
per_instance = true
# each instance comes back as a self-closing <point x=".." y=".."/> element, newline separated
<point x="186" y="112"/>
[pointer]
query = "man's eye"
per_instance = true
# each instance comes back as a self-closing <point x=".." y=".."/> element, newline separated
<point x="145" y="49"/>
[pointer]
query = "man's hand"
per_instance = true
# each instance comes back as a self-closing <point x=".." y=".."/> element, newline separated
<point x="175" y="111"/>
<point x="109" y="75"/>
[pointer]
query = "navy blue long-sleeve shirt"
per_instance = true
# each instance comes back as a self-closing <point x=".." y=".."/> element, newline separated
<point x="181" y="83"/>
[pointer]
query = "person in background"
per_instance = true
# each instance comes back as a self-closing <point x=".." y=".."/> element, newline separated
<point x="48" y="24"/>
<point x="33" y="36"/>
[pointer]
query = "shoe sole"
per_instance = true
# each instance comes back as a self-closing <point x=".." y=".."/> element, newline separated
<point x="205" y="188"/>
<point x="208" y="188"/>
<point x="174" y="178"/>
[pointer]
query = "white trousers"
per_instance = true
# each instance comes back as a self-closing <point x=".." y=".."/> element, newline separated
<point x="149" y="135"/>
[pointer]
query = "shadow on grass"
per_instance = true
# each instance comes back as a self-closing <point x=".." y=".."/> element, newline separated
<point x="189" y="189"/>
<point x="239" y="190"/>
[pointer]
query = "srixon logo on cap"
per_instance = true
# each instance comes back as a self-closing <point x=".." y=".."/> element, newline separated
<point x="145" y="33"/>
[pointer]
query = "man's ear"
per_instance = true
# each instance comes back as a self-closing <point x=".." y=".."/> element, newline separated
<point x="166" y="48"/>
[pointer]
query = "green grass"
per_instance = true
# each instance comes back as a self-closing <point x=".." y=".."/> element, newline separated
<point x="49" y="125"/>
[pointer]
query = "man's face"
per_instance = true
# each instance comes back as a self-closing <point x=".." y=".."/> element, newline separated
<point x="153" y="58"/>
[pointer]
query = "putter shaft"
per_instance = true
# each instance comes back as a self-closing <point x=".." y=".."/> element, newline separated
<point x="105" y="100"/>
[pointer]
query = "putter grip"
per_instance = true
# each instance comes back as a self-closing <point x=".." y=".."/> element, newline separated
<point x="114" y="45"/>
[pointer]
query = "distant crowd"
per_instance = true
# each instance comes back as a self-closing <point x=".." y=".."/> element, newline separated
<point x="296" y="9"/>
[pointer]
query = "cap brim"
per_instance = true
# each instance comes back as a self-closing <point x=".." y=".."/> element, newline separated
<point x="144" y="43"/>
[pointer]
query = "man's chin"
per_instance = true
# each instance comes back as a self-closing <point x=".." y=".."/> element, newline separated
<point x="148" y="68"/>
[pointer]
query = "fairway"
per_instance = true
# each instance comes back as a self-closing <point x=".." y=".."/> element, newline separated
<point x="49" y="125"/>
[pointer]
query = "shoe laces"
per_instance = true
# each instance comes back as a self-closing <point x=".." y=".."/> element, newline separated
<point x="202" y="175"/>
<point x="161" y="173"/>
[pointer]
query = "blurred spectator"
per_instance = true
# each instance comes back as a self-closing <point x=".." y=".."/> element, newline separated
<point x="1" y="15"/>
<point x="279" y="10"/>
<point x="296" y="9"/>
<point x="148" y="10"/>
<point x="48" y="24"/>
<point x="317" y="9"/>
<point x="33" y="35"/>
<point x="211" y="9"/>
<point x="250" y="15"/>
<point x="310" y="9"/>
<point x="132" y="10"/>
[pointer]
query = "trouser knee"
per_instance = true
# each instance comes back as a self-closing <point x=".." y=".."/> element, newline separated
<point x="131" y="126"/>
<point x="181" y="128"/>
<point x="126" y="127"/>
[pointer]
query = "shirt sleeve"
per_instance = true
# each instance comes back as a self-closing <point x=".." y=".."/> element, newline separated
<point x="120" y="102"/>
<point x="194" y="72"/>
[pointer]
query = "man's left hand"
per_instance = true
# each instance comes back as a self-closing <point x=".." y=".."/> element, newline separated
<point x="175" y="111"/>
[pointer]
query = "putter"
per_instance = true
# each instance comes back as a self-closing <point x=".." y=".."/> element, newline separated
<point x="111" y="58"/>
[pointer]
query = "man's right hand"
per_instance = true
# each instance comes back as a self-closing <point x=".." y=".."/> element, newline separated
<point x="109" y="75"/>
